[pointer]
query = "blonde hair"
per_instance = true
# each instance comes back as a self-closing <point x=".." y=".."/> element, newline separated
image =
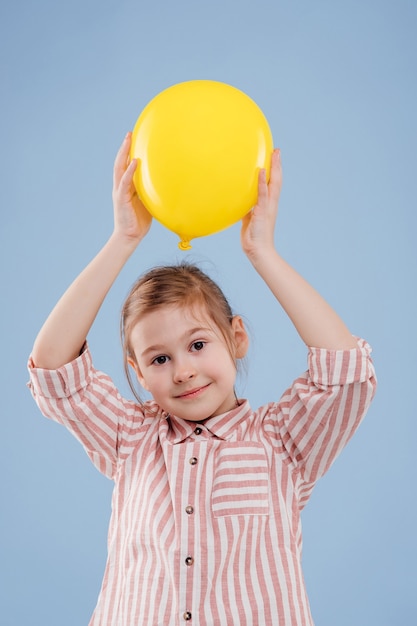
<point x="184" y="285"/>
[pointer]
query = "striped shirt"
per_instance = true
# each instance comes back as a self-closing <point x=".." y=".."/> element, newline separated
<point x="205" y="524"/>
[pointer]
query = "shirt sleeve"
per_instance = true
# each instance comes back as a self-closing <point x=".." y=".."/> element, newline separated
<point x="87" y="402"/>
<point x="320" y="412"/>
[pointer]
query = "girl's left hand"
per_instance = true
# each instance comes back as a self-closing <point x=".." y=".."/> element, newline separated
<point x="257" y="233"/>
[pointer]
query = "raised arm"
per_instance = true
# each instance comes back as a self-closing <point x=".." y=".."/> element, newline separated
<point x="64" y="332"/>
<point x="316" y="322"/>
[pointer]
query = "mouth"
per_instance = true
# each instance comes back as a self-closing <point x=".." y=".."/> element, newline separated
<point x="192" y="393"/>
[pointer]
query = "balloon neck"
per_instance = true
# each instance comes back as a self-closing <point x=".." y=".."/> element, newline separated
<point x="184" y="244"/>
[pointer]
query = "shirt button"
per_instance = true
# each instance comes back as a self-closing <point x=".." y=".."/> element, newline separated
<point x="189" y="509"/>
<point x="187" y="616"/>
<point x="193" y="460"/>
<point x="198" y="430"/>
<point x="189" y="560"/>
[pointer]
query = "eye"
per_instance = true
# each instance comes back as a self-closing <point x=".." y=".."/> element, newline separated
<point x="197" y="345"/>
<point x="160" y="360"/>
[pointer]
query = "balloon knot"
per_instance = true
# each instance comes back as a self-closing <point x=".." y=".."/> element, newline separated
<point x="184" y="245"/>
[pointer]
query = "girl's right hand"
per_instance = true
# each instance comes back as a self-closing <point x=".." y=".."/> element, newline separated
<point x="131" y="218"/>
<point x="64" y="332"/>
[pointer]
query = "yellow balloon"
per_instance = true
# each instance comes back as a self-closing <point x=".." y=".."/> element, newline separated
<point x="200" y="145"/>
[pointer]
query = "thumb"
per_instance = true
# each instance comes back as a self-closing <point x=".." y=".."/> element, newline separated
<point x="246" y="219"/>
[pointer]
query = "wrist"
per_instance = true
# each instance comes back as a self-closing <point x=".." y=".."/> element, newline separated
<point x="122" y="247"/>
<point x="263" y="257"/>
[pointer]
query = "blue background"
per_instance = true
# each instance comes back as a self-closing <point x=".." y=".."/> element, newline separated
<point x="337" y="82"/>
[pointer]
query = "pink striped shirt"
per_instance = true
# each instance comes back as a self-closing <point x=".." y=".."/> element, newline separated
<point x="205" y="524"/>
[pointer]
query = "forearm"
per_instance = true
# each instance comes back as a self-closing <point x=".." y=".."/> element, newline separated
<point x="316" y="322"/>
<point x="64" y="332"/>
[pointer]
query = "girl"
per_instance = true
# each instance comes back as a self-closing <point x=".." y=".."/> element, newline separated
<point x="205" y="523"/>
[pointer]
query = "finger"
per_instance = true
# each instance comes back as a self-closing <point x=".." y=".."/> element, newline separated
<point x="262" y="187"/>
<point x="121" y="160"/>
<point x="276" y="169"/>
<point x="125" y="186"/>
<point x="275" y="179"/>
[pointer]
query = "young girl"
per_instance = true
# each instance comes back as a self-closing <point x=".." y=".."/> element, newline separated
<point x="205" y="524"/>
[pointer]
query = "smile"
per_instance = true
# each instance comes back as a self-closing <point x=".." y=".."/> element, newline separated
<point x="193" y="393"/>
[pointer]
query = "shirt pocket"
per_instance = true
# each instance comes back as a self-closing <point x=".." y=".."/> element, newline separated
<point x="241" y="480"/>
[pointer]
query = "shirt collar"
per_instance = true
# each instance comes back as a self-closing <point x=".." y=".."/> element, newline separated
<point x="222" y="426"/>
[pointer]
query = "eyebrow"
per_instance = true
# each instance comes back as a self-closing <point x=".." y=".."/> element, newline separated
<point x="188" y="333"/>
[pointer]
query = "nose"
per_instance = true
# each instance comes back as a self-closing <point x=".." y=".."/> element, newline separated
<point x="184" y="370"/>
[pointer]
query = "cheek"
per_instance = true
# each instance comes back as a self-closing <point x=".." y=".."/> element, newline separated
<point x="222" y="366"/>
<point x="155" y="381"/>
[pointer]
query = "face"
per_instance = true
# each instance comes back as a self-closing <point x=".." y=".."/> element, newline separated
<point x="182" y="359"/>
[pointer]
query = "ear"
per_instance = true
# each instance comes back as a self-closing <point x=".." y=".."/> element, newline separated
<point x="241" y="339"/>
<point x="138" y="373"/>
